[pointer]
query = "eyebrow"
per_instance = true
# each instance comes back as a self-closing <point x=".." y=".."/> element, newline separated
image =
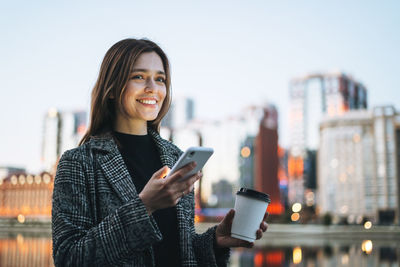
<point x="146" y="70"/>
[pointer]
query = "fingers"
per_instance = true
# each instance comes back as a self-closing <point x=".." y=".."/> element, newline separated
<point x="187" y="185"/>
<point x="229" y="217"/>
<point x="264" y="226"/>
<point x="179" y="174"/>
<point x="259" y="234"/>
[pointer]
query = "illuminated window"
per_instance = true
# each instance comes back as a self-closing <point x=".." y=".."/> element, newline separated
<point x="46" y="178"/>
<point x="14" y="180"/>
<point x="38" y="179"/>
<point x="22" y="179"/>
<point x="29" y="179"/>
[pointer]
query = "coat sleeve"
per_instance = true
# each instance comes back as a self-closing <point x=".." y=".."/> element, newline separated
<point x="206" y="252"/>
<point x="78" y="241"/>
<point x="204" y="246"/>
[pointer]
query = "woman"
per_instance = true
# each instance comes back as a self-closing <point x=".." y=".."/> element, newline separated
<point x="112" y="205"/>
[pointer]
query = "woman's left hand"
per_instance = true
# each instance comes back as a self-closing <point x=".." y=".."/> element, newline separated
<point x="223" y="232"/>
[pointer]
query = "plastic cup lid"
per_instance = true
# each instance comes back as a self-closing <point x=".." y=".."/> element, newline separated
<point x="254" y="194"/>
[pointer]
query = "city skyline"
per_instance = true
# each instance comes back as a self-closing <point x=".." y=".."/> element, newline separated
<point x="225" y="55"/>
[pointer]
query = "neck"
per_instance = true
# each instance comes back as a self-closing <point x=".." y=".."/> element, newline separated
<point x="131" y="126"/>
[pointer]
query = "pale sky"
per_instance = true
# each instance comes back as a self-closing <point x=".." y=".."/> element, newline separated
<point x="224" y="54"/>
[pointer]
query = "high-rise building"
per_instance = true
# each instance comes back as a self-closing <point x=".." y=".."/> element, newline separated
<point x="51" y="139"/>
<point x="311" y="98"/>
<point x="267" y="160"/>
<point x="358" y="171"/>
<point x="62" y="131"/>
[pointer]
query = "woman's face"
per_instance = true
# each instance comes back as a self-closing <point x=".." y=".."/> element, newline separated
<point x="146" y="89"/>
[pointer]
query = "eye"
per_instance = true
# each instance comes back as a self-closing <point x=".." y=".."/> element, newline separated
<point x="137" y="77"/>
<point x="160" y="79"/>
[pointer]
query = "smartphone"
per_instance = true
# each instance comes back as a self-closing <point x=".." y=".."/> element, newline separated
<point x="198" y="154"/>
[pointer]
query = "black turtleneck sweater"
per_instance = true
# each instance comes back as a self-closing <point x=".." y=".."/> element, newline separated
<point x="142" y="159"/>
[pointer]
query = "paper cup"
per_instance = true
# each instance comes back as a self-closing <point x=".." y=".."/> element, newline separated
<point x="250" y="208"/>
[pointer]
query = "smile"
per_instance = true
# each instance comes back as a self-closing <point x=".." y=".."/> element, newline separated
<point x="146" y="101"/>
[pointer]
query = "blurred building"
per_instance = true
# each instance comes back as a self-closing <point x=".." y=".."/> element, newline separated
<point x="25" y="196"/>
<point x="8" y="170"/>
<point x="226" y="138"/>
<point x="246" y="163"/>
<point x="266" y="159"/>
<point x="283" y="156"/>
<point x="179" y="114"/>
<point x="62" y="131"/>
<point x="312" y="97"/>
<point x="222" y="194"/>
<point x="358" y="165"/>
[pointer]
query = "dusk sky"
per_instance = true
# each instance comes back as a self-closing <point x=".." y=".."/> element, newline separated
<point x="226" y="55"/>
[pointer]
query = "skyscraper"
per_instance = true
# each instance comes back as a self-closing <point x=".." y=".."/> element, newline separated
<point x="358" y="173"/>
<point x="266" y="159"/>
<point x="312" y="97"/>
<point x="51" y="139"/>
<point x="61" y="131"/>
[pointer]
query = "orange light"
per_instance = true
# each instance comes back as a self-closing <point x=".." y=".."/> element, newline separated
<point x="295" y="166"/>
<point x="245" y="152"/>
<point x="274" y="258"/>
<point x="81" y="129"/>
<point x="258" y="259"/>
<point x="21" y="218"/>
<point x="275" y="208"/>
<point x="281" y="152"/>
<point x="295" y="217"/>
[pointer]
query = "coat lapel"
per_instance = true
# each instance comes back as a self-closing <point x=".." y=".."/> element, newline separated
<point x="116" y="172"/>
<point x="114" y="168"/>
<point x="168" y="157"/>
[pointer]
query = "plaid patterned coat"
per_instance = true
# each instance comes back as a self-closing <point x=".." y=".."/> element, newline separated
<point x="98" y="218"/>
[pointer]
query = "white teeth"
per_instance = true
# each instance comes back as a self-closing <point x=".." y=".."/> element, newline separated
<point x="150" y="102"/>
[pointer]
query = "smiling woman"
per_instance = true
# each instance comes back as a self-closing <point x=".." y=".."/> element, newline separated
<point x="112" y="202"/>
<point x="144" y="95"/>
<point x="128" y="69"/>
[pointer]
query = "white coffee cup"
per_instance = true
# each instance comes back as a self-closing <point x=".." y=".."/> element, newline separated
<point x="250" y="208"/>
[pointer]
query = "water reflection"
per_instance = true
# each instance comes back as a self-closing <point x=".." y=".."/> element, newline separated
<point x="357" y="254"/>
<point x="32" y="251"/>
<point x="20" y="250"/>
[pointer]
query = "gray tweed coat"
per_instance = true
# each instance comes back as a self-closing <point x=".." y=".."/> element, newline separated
<point x="98" y="218"/>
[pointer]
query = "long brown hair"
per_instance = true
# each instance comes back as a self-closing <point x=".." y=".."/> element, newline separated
<point x="114" y="74"/>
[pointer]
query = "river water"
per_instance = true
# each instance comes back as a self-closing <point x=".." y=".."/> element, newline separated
<point x="34" y="250"/>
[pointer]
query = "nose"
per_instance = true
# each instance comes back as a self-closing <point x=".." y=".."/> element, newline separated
<point x="150" y="85"/>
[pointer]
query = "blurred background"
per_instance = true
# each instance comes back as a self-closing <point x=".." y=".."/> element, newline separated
<point x="298" y="99"/>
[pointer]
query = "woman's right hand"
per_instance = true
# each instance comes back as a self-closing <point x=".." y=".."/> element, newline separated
<point x="160" y="192"/>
